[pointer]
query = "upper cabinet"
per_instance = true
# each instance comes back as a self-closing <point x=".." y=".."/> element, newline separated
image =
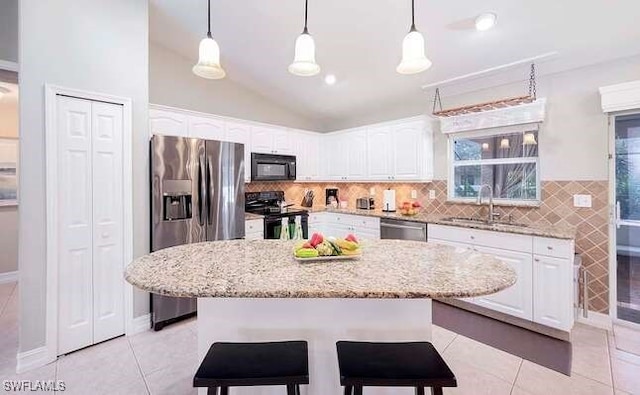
<point x="237" y="132"/>
<point x="379" y="144"/>
<point x="307" y="149"/>
<point x="206" y="128"/>
<point x="272" y="140"/>
<point x="169" y="123"/>
<point x="401" y="150"/>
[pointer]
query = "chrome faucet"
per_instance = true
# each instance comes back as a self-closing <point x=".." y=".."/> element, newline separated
<point x="479" y="201"/>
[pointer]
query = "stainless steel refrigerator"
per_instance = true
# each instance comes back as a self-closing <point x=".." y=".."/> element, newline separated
<point x="197" y="194"/>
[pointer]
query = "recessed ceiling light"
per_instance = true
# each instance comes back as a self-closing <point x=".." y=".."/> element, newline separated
<point x="330" y="79"/>
<point x="486" y="21"/>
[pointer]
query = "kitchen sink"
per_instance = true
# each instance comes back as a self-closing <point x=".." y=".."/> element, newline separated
<point x="479" y="221"/>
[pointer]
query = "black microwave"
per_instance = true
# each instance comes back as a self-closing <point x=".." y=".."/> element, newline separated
<point x="269" y="167"/>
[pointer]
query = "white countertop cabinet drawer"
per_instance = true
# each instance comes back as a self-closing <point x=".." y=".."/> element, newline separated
<point x="557" y="248"/>
<point x="483" y="238"/>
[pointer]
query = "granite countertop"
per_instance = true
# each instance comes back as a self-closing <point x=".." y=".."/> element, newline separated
<point x="541" y="230"/>
<point x="250" y="216"/>
<point x="267" y="269"/>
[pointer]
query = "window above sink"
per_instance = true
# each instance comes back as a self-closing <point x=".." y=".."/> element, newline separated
<point x="504" y="158"/>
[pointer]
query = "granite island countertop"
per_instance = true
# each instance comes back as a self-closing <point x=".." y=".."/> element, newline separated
<point x="538" y="229"/>
<point x="267" y="269"/>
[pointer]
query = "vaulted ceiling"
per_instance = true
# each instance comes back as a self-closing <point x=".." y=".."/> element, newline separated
<point x="360" y="42"/>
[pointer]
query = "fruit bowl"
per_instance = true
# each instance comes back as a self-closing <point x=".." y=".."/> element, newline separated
<point x="410" y="209"/>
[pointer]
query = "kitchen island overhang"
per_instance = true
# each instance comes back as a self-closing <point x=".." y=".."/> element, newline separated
<point x="256" y="291"/>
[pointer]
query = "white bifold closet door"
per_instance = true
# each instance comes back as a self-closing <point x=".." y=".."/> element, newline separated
<point x="90" y="222"/>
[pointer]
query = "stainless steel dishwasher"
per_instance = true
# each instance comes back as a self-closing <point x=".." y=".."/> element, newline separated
<point x="402" y="230"/>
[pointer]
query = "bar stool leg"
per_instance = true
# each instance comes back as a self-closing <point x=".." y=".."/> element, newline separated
<point x="224" y="390"/>
<point x="419" y="390"/>
<point x="348" y="390"/>
<point x="436" y="391"/>
<point x="212" y="390"/>
<point x="357" y="390"/>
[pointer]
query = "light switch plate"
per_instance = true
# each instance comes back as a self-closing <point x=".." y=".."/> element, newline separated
<point x="582" y="201"/>
<point x="432" y="194"/>
<point x="414" y="194"/>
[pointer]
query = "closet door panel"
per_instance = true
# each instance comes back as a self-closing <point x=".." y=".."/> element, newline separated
<point x="75" y="284"/>
<point x="108" y="265"/>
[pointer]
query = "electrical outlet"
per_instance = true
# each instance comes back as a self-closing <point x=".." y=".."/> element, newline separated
<point x="414" y="194"/>
<point x="432" y="194"/>
<point x="582" y="201"/>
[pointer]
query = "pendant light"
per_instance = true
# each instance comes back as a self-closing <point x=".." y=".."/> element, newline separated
<point x="413" y="58"/>
<point x="208" y="65"/>
<point x="529" y="139"/>
<point x="304" y="62"/>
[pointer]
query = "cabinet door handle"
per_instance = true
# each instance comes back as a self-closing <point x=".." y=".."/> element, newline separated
<point x="537" y="259"/>
<point x="472" y="237"/>
<point x="549" y="248"/>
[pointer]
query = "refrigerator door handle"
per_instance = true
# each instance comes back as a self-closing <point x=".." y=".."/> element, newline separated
<point x="202" y="190"/>
<point x="210" y="191"/>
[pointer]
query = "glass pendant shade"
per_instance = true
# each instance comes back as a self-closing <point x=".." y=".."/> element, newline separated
<point x="208" y="65"/>
<point x="504" y="144"/>
<point x="304" y="62"/>
<point x="529" y="139"/>
<point x="413" y="58"/>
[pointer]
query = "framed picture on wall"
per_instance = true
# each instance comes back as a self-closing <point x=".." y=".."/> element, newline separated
<point x="8" y="172"/>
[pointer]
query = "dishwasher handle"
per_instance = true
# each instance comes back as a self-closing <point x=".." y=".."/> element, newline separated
<point x="388" y="225"/>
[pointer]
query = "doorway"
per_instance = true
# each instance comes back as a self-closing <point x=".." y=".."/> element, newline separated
<point x="626" y="232"/>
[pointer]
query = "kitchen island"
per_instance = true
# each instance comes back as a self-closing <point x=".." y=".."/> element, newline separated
<point x="255" y="291"/>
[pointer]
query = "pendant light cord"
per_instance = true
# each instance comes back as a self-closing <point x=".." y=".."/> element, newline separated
<point x="413" y="16"/>
<point x="209" y="18"/>
<point x="306" y="6"/>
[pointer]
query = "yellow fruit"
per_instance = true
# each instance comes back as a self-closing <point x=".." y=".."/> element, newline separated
<point x="351" y="252"/>
<point x="346" y="245"/>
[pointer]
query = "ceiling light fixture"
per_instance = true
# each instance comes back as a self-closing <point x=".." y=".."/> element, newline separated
<point x="413" y="58"/>
<point x="504" y="143"/>
<point x="208" y="65"/>
<point x="529" y="139"/>
<point x="330" y="79"/>
<point x="304" y="62"/>
<point x="486" y="21"/>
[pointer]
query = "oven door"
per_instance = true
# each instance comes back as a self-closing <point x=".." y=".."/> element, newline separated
<point x="272" y="167"/>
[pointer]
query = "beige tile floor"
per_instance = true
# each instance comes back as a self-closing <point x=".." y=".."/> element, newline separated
<point x="163" y="362"/>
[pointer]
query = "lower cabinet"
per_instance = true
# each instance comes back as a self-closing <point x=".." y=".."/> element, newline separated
<point x="254" y="229"/>
<point x="543" y="292"/>
<point x="552" y="277"/>
<point x="340" y="225"/>
<point x="516" y="300"/>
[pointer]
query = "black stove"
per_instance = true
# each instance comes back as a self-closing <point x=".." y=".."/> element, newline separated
<point x="268" y="204"/>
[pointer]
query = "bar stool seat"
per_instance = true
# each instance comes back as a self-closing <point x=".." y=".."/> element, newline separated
<point x="251" y="364"/>
<point x="411" y="364"/>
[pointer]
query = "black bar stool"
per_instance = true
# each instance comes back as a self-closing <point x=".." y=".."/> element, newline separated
<point x="413" y="364"/>
<point x="251" y="364"/>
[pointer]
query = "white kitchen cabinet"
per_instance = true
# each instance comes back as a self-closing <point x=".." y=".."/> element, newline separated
<point x="169" y="123"/>
<point x="237" y="132"/>
<point x="552" y="274"/>
<point x="516" y="300"/>
<point x="254" y="229"/>
<point x="307" y="156"/>
<point x="208" y="128"/>
<point x="408" y="150"/>
<point x="356" y="145"/>
<point x="272" y="140"/>
<point x="340" y="225"/>
<point x="380" y="153"/>
<point x="543" y="292"/>
<point x="337" y="156"/>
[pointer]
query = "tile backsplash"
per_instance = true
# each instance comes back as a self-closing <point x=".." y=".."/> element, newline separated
<point x="556" y="208"/>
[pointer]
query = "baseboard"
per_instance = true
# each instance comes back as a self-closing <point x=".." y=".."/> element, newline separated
<point x="599" y="320"/>
<point x="8" y="277"/>
<point x="32" y="359"/>
<point x="140" y="324"/>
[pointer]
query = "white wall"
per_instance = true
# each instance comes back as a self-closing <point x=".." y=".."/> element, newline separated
<point x="95" y="45"/>
<point x="172" y="83"/>
<point x="573" y="139"/>
<point x="9" y="30"/>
